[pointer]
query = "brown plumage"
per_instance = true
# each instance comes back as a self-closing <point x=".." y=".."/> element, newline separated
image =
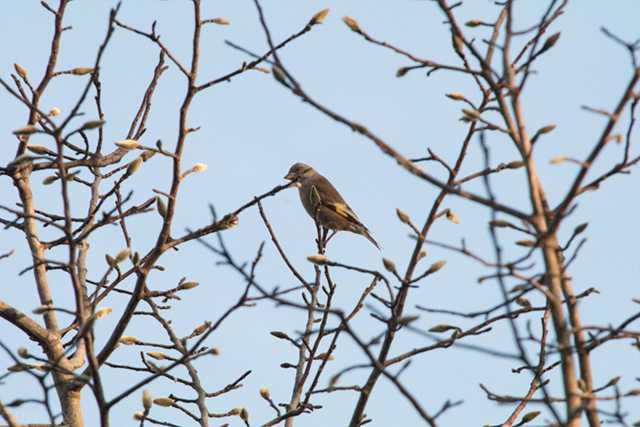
<point x="323" y="202"/>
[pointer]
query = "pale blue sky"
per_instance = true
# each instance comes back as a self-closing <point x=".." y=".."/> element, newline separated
<point x="253" y="130"/>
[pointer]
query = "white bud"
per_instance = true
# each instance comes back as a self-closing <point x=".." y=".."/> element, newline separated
<point x="128" y="144"/>
<point x="556" y="160"/>
<point x="103" y="312"/>
<point x="81" y="71"/>
<point x="451" y="216"/>
<point x="147" y="400"/>
<point x="38" y="149"/>
<point x="319" y="17"/>
<point x="456" y="96"/>
<point x="220" y="21"/>
<point x="318" y="259"/>
<point x="164" y="401"/>
<point x="199" y="167"/>
<point x="352" y="24"/>
<point x="264" y="392"/>
<point x="122" y="255"/>
<point x="158" y="355"/>
<point x="128" y="340"/>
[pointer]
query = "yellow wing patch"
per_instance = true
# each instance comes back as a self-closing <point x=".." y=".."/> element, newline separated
<point x="344" y="211"/>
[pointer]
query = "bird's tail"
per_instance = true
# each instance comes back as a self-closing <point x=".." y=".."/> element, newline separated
<point x="366" y="234"/>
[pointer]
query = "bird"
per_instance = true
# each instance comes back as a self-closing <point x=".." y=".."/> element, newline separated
<point x="324" y="204"/>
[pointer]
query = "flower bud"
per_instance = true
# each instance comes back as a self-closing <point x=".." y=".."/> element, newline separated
<point x="280" y="335"/>
<point x="128" y="340"/>
<point x="163" y="401"/>
<point x="319" y="17"/>
<point x="92" y="124"/>
<point x="264" y="392"/>
<point x="471" y="114"/>
<point x="199" y="167"/>
<point x="147" y="400"/>
<point x="451" y="216"/>
<point x="147" y="154"/>
<point x="456" y="96"/>
<point x="546" y="129"/>
<point x="550" y="42"/>
<point x="20" y="70"/>
<point x="580" y="228"/>
<point x="613" y="381"/>
<point x="158" y="355"/>
<point x="633" y="392"/>
<point x="556" y="160"/>
<point x="352" y="24"/>
<point x="405" y="320"/>
<point x="220" y="21"/>
<point x="81" y="71"/>
<point x="127" y="144"/>
<point x="324" y="356"/>
<point x="436" y="266"/>
<point x="516" y="164"/>
<point x="318" y="259"/>
<point x="134" y="166"/>
<point x="55" y="111"/>
<point x="333" y="381"/>
<point x="42" y="309"/>
<point x="50" y="179"/>
<point x="111" y="261"/>
<point x="38" y="149"/>
<point x="103" y="312"/>
<point x="161" y="207"/>
<point x="200" y="329"/>
<point x="403" y="217"/>
<point x="389" y="265"/>
<point x="402" y="71"/>
<point x="188" y="285"/>
<point x="122" y="255"/>
<point x="529" y="416"/>
<point x="443" y="328"/>
<point x="458" y="43"/>
<point x="279" y="75"/>
<point x="244" y="414"/>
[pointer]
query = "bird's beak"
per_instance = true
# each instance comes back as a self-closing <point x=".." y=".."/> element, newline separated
<point x="289" y="176"/>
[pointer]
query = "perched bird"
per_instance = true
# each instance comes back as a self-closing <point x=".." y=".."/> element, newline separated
<point x="323" y="202"/>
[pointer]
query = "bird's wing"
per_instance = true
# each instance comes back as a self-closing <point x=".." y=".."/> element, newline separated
<point x="343" y="210"/>
<point x="324" y="193"/>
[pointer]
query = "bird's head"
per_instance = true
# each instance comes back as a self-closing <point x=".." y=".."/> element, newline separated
<point x="299" y="171"/>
